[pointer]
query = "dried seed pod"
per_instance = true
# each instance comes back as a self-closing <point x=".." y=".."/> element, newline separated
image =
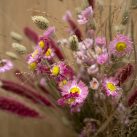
<point x="12" y="55"/>
<point x="125" y="18"/>
<point x="41" y="22"/>
<point x="19" y="48"/>
<point x="16" y="36"/>
<point x="73" y="41"/>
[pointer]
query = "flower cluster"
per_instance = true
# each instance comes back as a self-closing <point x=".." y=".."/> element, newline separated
<point x="43" y="61"/>
<point x="92" y="80"/>
<point x="93" y="52"/>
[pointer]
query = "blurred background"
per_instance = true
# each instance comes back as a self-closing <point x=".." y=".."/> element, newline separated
<point x="14" y="16"/>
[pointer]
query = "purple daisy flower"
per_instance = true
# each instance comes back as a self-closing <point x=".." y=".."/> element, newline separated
<point x="120" y="46"/>
<point x="5" y="65"/>
<point x="111" y="86"/>
<point x="77" y="92"/>
<point x="85" y="15"/>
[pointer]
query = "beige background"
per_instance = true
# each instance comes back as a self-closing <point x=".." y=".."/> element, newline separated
<point x="14" y="15"/>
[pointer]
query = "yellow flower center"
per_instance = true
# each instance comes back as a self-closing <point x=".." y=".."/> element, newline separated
<point x="70" y="100"/>
<point x="111" y="87"/>
<point x="33" y="65"/>
<point x="34" y="53"/>
<point x="121" y="46"/>
<point x="75" y="90"/>
<point x="55" y="70"/>
<point x="63" y="82"/>
<point x="48" y="52"/>
<point x="42" y="44"/>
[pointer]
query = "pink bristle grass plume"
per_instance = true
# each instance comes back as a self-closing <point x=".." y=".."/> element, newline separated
<point x="13" y="106"/>
<point x="124" y="73"/>
<point x="56" y="49"/>
<point x="74" y="28"/>
<point x="31" y="34"/>
<point x="92" y="3"/>
<point x="25" y="91"/>
<point x="132" y="98"/>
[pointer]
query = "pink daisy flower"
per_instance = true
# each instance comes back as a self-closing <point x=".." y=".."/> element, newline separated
<point x="5" y="65"/>
<point x="49" y="54"/>
<point x="102" y="59"/>
<point x="74" y="93"/>
<point x="111" y="86"/>
<point x="35" y="55"/>
<point x="120" y="46"/>
<point x="100" y="41"/>
<point x="61" y="70"/>
<point x="85" y="15"/>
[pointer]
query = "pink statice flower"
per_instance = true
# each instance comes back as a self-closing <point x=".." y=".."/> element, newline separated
<point x="100" y="41"/>
<point x="85" y="15"/>
<point x="86" y="44"/>
<point x="102" y="59"/>
<point x="93" y="69"/>
<point x="73" y="93"/>
<point x="90" y="33"/>
<point x="120" y="46"/>
<point x="5" y="65"/>
<point x="111" y="87"/>
<point x="80" y="56"/>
